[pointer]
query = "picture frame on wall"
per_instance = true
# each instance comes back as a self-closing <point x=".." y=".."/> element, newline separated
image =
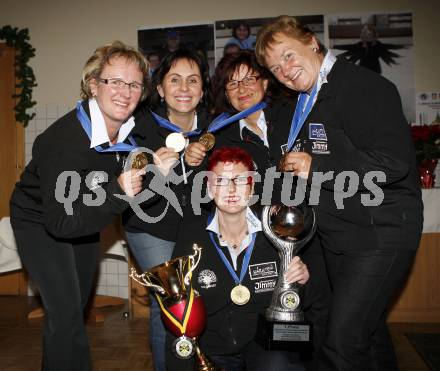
<point x="157" y="41"/>
<point x="235" y="34"/>
<point x="381" y="42"/>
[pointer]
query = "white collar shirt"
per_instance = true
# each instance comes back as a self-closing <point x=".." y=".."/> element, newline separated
<point x="261" y="123"/>
<point x="327" y="65"/>
<point x="253" y="226"/>
<point x="99" y="129"/>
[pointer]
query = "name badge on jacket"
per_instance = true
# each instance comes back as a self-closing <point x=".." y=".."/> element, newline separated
<point x="318" y="138"/>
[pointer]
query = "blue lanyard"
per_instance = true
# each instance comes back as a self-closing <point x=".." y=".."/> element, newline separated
<point x="246" y="259"/>
<point x="166" y="124"/>
<point x="225" y="119"/>
<point x="87" y="126"/>
<point x="300" y="116"/>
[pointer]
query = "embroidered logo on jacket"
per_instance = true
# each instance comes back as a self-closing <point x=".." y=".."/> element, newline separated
<point x="207" y="279"/>
<point x="263" y="270"/>
<point x="264" y="286"/>
<point x="320" y="147"/>
<point x="317" y="132"/>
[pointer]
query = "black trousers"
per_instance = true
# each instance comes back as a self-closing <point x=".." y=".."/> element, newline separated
<point x="63" y="273"/>
<point x="316" y="296"/>
<point x="364" y="279"/>
<point x="252" y="358"/>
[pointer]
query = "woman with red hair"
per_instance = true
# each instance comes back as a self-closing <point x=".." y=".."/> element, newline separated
<point x="233" y="244"/>
<point x="244" y="89"/>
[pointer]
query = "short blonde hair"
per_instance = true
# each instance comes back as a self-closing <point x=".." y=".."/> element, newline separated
<point x="102" y="56"/>
<point x="286" y="25"/>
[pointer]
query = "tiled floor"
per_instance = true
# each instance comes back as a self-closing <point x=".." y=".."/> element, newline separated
<point x="121" y="344"/>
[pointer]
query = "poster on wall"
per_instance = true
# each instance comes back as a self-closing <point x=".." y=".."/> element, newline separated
<point x="381" y="42"/>
<point x="156" y="42"/>
<point x="235" y="34"/>
<point x="428" y="108"/>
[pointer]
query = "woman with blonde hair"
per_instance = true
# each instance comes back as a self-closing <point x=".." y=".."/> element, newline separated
<point x="68" y="193"/>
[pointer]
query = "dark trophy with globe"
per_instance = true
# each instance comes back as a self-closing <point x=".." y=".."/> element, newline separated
<point x="289" y="229"/>
<point x="182" y="308"/>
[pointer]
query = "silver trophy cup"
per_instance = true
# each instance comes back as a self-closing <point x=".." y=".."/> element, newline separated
<point x="289" y="229"/>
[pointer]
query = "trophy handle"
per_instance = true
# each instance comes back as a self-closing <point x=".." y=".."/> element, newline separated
<point x="143" y="280"/>
<point x="267" y="229"/>
<point x="192" y="259"/>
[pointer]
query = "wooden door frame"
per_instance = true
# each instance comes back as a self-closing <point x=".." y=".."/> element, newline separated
<point x="19" y="159"/>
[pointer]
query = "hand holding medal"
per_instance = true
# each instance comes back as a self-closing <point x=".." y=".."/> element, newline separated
<point x="298" y="163"/>
<point x="131" y="181"/>
<point x="208" y="141"/>
<point x="139" y="161"/>
<point x="165" y="158"/>
<point x="195" y="153"/>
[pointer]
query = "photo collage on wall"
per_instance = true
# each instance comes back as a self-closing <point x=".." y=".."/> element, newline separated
<point x="381" y="42"/>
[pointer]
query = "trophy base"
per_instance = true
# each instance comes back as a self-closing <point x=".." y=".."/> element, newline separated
<point x="277" y="335"/>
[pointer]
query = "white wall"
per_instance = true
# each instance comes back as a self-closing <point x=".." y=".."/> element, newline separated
<point x="65" y="33"/>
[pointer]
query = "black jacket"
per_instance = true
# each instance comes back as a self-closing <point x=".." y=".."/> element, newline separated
<point x="230" y="327"/>
<point x="64" y="146"/>
<point x="278" y="115"/>
<point x="357" y="125"/>
<point x="150" y="135"/>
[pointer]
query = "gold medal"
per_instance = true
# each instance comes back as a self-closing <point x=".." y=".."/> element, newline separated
<point x="139" y="161"/>
<point x="208" y="140"/>
<point x="240" y="295"/>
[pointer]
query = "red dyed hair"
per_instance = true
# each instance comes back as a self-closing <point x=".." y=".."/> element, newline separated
<point x="231" y="154"/>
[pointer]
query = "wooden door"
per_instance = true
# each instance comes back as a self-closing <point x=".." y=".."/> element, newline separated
<point x="11" y="157"/>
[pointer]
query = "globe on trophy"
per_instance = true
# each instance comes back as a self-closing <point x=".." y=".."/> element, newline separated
<point x="289" y="229"/>
<point x="182" y="308"/>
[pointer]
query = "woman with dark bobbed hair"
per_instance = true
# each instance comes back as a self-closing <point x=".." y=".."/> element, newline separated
<point x="175" y="115"/>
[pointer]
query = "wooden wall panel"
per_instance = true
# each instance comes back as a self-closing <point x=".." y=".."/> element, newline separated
<point x="12" y="157"/>
<point x="419" y="300"/>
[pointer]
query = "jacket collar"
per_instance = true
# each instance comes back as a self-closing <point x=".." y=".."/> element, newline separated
<point x="328" y="90"/>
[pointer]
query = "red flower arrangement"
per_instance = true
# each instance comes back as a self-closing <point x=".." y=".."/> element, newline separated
<point x="427" y="144"/>
<point x="426" y="141"/>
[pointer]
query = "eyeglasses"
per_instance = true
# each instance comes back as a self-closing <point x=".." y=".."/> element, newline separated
<point x="240" y="180"/>
<point x="247" y="81"/>
<point x="118" y="84"/>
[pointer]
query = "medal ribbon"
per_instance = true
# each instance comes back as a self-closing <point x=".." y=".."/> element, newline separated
<point x="187" y="312"/>
<point x="300" y="116"/>
<point x="87" y="126"/>
<point x="225" y="118"/>
<point x="166" y="124"/>
<point x="246" y="259"/>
